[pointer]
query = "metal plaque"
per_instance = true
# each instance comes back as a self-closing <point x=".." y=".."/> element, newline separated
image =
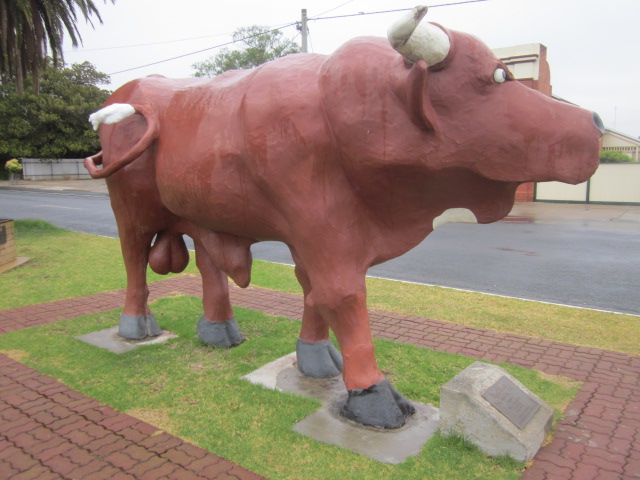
<point x="512" y="402"/>
<point x="3" y="234"/>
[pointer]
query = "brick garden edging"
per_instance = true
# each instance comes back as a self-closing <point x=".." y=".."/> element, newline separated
<point x="598" y="439"/>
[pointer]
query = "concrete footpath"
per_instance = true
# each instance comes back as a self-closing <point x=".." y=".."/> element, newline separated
<point x="49" y="431"/>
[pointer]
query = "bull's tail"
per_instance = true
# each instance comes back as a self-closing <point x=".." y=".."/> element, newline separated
<point x="113" y="114"/>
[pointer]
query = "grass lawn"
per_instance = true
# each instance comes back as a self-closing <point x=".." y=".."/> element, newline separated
<point x="195" y="392"/>
<point x="66" y="264"/>
<point x="63" y="265"/>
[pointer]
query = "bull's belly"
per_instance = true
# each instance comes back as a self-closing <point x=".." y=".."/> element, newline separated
<point x="221" y="208"/>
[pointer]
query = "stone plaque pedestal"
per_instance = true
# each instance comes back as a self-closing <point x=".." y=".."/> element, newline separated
<point x="8" y="259"/>
<point x="494" y="411"/>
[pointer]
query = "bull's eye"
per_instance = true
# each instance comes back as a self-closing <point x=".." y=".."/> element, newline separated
<point x="499" y="76"/>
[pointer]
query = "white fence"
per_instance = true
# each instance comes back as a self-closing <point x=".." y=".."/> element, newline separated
<point x="612" y="183"/>
<point x="56" y="169"/>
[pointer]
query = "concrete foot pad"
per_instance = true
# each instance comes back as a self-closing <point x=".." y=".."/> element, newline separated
<point x="387" y="446"/>
<point x="113" y="342"/>
<point x="327" y="425"/>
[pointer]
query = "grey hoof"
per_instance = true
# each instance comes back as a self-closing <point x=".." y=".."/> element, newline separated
<point x="220" y="334"/>
<point x="137" y="327"/>
<point x="379" y="406"/>
<point x="318" y="359"/>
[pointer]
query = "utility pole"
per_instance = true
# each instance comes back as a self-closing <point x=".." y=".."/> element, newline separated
<point x="304" y="31"/>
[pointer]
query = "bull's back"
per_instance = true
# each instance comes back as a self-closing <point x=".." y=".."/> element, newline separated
<point x="228" y="150"/>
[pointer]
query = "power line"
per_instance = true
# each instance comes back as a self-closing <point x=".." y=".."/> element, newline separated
<point x="286" y="26"/>
<point x="200" y="51"/>
<point x="165" y="42"/>
<point x="335" y="8"/>
<point x="134" y="45"/>
<point x="117" y="47"/>
<point x="362" y="14"/>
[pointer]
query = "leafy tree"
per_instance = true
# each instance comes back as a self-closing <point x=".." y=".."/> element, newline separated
<point x="54" y="123"/>
<point x="614" y="156"/>
<point x="260" y="45"/>
<point x="31" y="29"/>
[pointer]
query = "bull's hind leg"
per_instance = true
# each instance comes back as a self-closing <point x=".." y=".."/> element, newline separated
<point x="315" y="353"/>
<point x="167" y="255"/>
<point x="217" y="327"/>
<point x="136" y="321"/>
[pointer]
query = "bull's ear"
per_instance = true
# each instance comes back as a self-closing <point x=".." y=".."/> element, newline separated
<point x="417" y="97"/>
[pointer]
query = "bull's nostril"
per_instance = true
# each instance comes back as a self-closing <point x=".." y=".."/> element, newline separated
<point x="598" y="122"/>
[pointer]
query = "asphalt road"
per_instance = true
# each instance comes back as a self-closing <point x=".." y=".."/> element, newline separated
<point x="593" y="264"/>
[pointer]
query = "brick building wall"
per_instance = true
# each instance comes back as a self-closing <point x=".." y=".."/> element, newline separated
<point x="529" y="65"/>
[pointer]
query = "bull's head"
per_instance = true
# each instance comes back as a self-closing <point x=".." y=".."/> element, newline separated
<point x="487" y="121"/>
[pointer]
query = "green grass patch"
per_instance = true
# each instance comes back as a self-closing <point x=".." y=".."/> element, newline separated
<point x="195" y="392"/>
<point x="577" y="326"/>
<point x="66" y="264"/>
<point x="63" y="265"/>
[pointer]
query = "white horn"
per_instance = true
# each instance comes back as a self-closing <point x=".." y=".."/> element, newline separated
<point x="419" y="41"/>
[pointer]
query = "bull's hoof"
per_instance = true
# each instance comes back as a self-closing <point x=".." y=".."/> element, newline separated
<point x="379" y="406"/>
<point x="318" y="359"/>
<point x="138" y="327"/>
<point x="220" y="334"/>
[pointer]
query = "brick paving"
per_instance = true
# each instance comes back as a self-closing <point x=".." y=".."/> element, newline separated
<point x="51" y="431"/>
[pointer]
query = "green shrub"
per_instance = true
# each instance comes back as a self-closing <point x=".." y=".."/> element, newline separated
<point x="13" y="166"/>
<point x="613" y="156"/>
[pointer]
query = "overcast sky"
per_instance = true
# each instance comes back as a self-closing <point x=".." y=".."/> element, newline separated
<point x="593" y="46"/>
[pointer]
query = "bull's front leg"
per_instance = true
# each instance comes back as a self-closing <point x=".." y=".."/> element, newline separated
<point x="136" y="321"/>
<point x="315" y="353"/>
<point x="217" y="327"/>
<point x="372" y="400"/>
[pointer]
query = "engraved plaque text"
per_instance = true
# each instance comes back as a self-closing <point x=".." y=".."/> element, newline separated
<point x="512" y="402"/>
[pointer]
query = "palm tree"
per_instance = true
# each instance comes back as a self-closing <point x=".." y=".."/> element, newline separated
<point x="30" y="30"/>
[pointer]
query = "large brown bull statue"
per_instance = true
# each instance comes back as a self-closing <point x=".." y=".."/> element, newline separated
<point x="349" y="159"/>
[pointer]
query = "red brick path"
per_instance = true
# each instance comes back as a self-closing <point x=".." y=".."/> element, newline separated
<point x="51" y="431"/>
